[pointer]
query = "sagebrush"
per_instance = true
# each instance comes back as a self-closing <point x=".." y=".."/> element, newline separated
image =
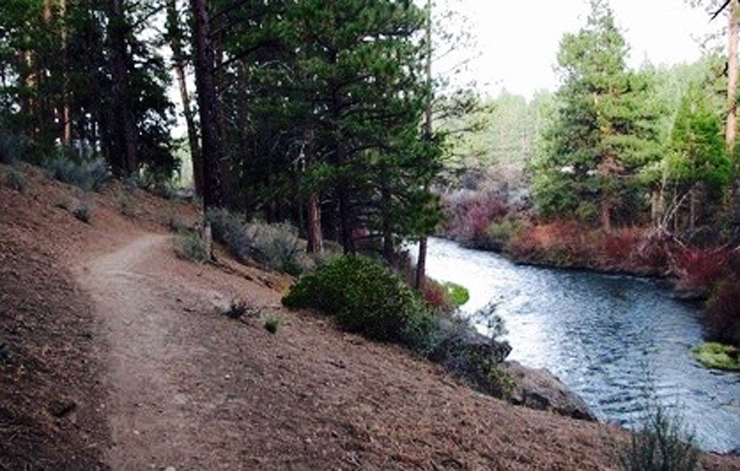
<point x="276" y="246"/>
<point x="191" y="247"/>
<point x="661" y="444"/>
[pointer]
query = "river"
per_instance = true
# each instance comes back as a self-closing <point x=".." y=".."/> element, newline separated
<point x="609" y="338"/>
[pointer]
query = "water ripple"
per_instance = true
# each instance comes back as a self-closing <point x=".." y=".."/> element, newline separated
<point x="607" y="337"/>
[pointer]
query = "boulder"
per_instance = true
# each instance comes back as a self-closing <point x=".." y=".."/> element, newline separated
<point x="540" y="389"/>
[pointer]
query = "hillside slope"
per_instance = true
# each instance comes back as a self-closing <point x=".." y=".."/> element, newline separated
<point x="118" y="357"/>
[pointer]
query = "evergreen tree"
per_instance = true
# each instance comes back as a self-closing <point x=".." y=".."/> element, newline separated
<point x="605" y="130"/>
<point x="697" y="162"/>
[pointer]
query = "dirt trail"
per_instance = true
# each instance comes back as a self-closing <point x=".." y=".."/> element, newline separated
<point x="154" y="421"/>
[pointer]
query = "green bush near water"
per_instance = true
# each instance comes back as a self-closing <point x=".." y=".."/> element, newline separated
<point x="457" y="294"/>
<point x="661" y="444"/>
<point x="717" y="355"/>
<point x="366" y="298"/>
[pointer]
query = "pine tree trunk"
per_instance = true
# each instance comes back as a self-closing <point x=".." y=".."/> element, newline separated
<point x="345" y="219"/>
<point x="178" y="60"/>
<point x="421" y="264"/>
<point x="211" y="152"/>
<point x="606" y="214"/>
<point x="428" y="129"/>
<point x="46" y="109"/>
<point x="385" y="197"/>
<point x="733" y="199"/>
<point x="654" y="201"/>
<point x="315" y="236"/>
<point x="732" y="35"/>
<point x="126" y="135"/>
<point x="693" y="202"/>
<point x="66" y="116"/>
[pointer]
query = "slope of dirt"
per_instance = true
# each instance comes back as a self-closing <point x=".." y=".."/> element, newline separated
<point x="181" y="385"/>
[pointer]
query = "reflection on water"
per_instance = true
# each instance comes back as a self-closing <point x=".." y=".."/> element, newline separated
<point x="607" y="337"/>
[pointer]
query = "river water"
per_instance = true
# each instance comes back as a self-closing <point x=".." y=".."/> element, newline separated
<point x="609" y="338"/>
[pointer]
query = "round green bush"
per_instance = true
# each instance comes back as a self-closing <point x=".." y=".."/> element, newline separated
<point x="364" y="297"/>
<point x="457" y="294"/>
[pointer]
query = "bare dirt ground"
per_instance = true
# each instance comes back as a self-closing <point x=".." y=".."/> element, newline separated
<point x="159" y="378"/>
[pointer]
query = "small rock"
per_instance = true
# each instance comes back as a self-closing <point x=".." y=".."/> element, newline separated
<point x="62" y="408"/>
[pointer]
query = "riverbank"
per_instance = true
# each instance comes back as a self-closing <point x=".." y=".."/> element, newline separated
<point x="115" y="354"/>
<point x="707" y="275"/>
<point x="604" y="336"/>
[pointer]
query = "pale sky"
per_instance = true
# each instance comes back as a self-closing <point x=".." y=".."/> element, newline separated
<point x="518" y="40"/>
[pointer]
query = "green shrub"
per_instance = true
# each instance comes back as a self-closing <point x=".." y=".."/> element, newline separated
<point x="176" y="224"/>
<point x="661" y="444"/>
<point x="369" y="299"/>
<point x="83" y="211"/>
<point x="366" y="298"/>
<point x="229" y="229"/>
<point x="11" y="147"/>
<point x="276" y="246"/>
<point x="273" y="325"/>
<point x="717" y="355"/>
<point x="126" y="206"/>
<point x="191" y="247"/>
<point x="457" y="294"/>
<point x="15" y="180"/>
<point x="88" y="176"/>
<point x="500" y="233"/>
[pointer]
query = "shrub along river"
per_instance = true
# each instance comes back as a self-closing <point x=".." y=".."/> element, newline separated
<point x="609" y="338"/>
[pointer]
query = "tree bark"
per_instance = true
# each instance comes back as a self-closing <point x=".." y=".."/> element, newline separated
<point x="693" y="203"/>
<point x="315" y="236"/>
<point x="211" y="150"/>
<point x="732" y="35"/>
<point x="386" y="201"/>
<point x="654" y="217"/>
<point x="66" y="115"/>
<point x="125" y="132"/>
<point x="428" y="129"/>
<point x="178" y="60"/>
<point x="606" y="213"/>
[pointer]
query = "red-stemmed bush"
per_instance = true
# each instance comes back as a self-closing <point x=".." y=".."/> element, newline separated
<point x="618" y="246"/>
<point x="701" y="268"/>
<point x="469" y="215"/>
<point x="723" y="313"/>
<point x="435" y="296"/>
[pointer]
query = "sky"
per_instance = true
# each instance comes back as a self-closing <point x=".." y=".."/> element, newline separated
<point x="517" y="41"/>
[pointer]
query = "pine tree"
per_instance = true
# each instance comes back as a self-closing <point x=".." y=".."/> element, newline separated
<point x="605" y="130"/>
<point x="697" y="162"/>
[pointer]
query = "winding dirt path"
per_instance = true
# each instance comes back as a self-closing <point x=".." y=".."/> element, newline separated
<point x="150" y="419"/>
<point x="160" y="397"/>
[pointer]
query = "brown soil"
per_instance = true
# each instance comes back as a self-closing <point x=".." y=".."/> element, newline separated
<point x="120" y="357"/>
